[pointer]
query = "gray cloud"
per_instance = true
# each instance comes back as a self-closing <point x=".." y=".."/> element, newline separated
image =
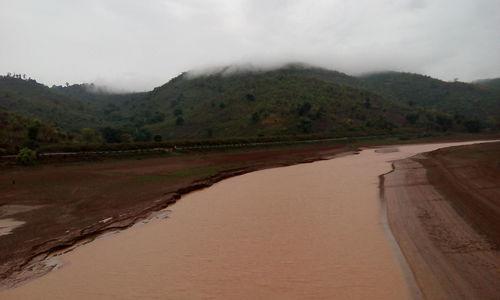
<point x="137" y="45"/>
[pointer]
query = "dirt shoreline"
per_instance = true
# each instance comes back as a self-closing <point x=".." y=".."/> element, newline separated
<point x="436" y="212"/>
<point x="37" y="263"/>
<point x="405" y="177"/>
<point x="304" y="231"/>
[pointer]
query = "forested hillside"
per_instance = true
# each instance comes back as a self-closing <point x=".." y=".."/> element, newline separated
<point x="292" y="100"/>
<point x="35" y="100"/>
<point x="281" y="102"/>
<point x="459" y="99"/>
<point x="489" y="83"/>
<point x="17" y="131"/>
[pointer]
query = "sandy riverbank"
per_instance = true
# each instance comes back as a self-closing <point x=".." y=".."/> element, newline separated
<point x="443" y="210"/>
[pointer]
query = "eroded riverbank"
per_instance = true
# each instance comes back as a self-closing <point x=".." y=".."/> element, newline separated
<point x="443" y="211"/>
<point x="61" y="205"/>
<point x="306" y="231"/>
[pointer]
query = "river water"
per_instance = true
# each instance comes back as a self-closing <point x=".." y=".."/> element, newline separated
<point x="309" y="231"/>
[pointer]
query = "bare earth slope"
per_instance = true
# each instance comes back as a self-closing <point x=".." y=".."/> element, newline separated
<point x="443" y="209"/>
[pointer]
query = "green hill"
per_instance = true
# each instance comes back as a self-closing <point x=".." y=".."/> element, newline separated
<point x="294" y="99"/>
<point x="297" y="99"/>
<point x="281" y="102"/>
<point x="15" y="131"/>
<point x="35" y="100"/>
<point x="493" y="83"/>
<point x="455" y="98"/>
<point x="95" y="95"/>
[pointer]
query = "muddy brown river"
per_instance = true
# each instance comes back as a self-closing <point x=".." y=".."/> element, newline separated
<point x="309" y="231"/>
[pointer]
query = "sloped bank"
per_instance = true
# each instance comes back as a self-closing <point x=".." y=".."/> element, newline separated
<point x="443" y="209"/>
<point x="33" y="259"/>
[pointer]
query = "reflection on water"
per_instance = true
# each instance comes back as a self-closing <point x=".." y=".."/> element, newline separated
<point x="310" y="231"/>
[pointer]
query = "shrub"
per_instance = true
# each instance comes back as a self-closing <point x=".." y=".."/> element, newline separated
<point x="250" y="97"/>
<point x="412" y="118"/>
<point x="179" y="121"/>
<point x="26" y="156"/>
<point x="473" y="126"/>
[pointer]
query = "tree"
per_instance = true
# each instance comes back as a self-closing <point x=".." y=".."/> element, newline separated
<point x="305" y="125"/>
<point x="210" y="132"/>
<point x="179" y="121"/>
<point x="126" y="138"/>
<point x="26" y="157"/>
<point x="157" y="138"/>
<point x="255" y="117"/>
<point x="89" y="135"/>
<point x="412" y="118"/>
<point x="368" y="104"/>
<point x="177" y="112"/>
<point x="444" y="121"/>
<point x="33" y="133"/>
<point x="304" y="109"/>
<point x="473" y="125"/>
<point x="143" y="135"/>
<point x="111" y="135"/>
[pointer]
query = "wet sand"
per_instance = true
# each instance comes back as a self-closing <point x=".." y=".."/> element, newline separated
<point x="310" y="231"/>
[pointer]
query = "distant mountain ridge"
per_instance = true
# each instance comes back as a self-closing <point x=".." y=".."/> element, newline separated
<point x="490" y="83"/>
<point x="461" y="98"/>
<point x="35" y="100"/>
<point x="294" y="99"/>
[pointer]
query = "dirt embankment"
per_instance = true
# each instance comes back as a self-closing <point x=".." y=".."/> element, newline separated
<point x="61" y="205"/>
<point x="444" y="211"/>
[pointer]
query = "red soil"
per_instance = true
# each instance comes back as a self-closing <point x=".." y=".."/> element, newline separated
<point x="443" y="209"/>
<point x="68" y="203"/>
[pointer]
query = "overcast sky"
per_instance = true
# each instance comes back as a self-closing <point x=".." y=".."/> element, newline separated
<point x="140" y="44"/>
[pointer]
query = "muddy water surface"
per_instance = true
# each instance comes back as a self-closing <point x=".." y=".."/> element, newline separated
<point x="310" y="231"/>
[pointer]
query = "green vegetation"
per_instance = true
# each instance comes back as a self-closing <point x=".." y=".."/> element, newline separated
<point x="489" y="83"/>
<point x="17" y="131"/>
<point x="275" y="103"/>
<point x="432" y="96"/>
<point x="282" y="104"/>
<point x="26" y="157"/>
<point x="89" y="135"/>
<point x="34" y="100"/>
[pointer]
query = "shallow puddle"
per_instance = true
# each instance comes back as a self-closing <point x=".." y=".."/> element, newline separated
<point x="310" y="231"/>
